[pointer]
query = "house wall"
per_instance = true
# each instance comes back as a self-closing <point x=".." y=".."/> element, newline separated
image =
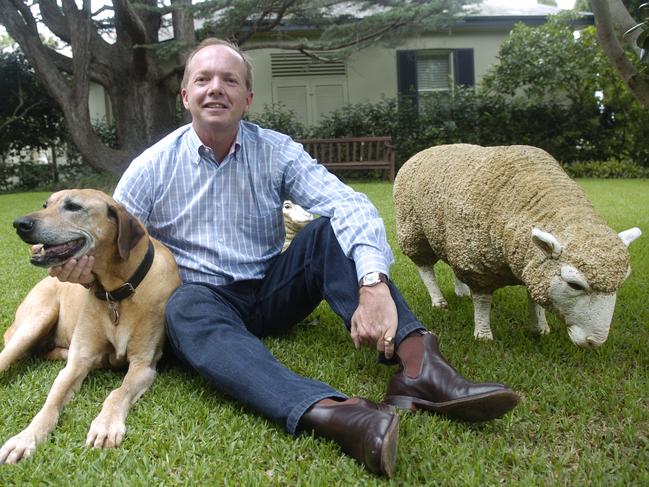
<point x="372" y="72"/>
<point x="98" y="104"/>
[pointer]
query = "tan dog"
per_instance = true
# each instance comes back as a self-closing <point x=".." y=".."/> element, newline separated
<point x="64" y="320"/>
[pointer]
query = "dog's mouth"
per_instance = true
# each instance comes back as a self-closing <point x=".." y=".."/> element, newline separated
<point x="47" y="255"/>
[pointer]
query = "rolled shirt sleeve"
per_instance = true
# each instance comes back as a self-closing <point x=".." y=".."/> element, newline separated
<point x="354" y="219"/>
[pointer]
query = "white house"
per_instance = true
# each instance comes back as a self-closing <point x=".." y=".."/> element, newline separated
<point x="460" y="55"/>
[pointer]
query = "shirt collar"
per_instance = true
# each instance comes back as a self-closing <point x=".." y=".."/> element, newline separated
<point x="201" y="151"/>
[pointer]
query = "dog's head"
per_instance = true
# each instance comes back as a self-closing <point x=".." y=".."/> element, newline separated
<point x="77" y="222"/>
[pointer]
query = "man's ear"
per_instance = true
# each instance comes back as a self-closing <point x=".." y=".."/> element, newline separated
<point x="129" y="230"/>
<point x="184" y="98"/>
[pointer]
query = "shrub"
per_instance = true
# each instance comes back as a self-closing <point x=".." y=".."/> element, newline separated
<point x="277" y="116"/>
<point x="606" y="169"/>
<point x="571" y="133"/>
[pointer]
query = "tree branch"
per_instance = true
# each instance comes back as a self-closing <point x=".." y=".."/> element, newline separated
<point x="20" y="24"/>
<point x="60" y="26"/>
<point x="309" y="48"/>
<point x="130" y="22"/>
<point x="54" y="20"/>
<point x="105" y="8"/>
<point x="72" y="98"/>
<point x="17" y="114"/>
<point x="279" y="15"/>
<point x="615" y="53"/>
<point x="622" y="21"/>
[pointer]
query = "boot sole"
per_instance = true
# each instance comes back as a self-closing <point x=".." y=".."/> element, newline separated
<point x="483" y="407"/>
<point x="389" y="448"/>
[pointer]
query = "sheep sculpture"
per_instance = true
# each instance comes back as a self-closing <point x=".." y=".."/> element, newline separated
<point x="295" y="219"/>
<point x="510" y="215"/>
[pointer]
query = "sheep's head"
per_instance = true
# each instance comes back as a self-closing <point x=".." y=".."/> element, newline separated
<point x="581" y="279"/>
<point x="296" y="215"/>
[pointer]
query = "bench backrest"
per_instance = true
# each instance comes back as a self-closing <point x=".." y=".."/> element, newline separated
<point x="350" y="149"/>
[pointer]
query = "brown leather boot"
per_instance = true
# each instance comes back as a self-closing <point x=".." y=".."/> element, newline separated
<point x="365" y="430"/>
<point x="425" y="380"/>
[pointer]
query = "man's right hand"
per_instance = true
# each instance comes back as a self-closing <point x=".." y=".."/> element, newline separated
<point x="75" y="271"/>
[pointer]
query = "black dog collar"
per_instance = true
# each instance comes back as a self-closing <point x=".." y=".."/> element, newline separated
<point x="128" y="288"/>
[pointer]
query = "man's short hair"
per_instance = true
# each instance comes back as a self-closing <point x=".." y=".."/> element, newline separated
<point x="215" y="41"/>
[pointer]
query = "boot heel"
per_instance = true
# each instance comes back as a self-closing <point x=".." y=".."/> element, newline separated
<point x="401" y="402"/>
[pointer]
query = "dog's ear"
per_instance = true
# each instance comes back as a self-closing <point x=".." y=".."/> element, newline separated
<point x="129" y="230"/>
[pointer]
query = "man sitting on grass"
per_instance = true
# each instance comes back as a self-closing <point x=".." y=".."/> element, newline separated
<point x="212" y="191"/>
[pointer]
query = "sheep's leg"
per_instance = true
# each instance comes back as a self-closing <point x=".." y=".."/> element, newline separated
<point x="427" y="275"/>
<point x="481" y="308"/>
<point x="537" y="317"/>
<point x="461" y="289"/>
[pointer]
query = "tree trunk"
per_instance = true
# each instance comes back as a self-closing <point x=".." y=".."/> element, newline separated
<point x="55" y="166"/>
<point x="142" y="99"/>
<point x="603" y="11"/>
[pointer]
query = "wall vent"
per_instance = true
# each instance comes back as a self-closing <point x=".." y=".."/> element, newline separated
<point x="298" y="64"/>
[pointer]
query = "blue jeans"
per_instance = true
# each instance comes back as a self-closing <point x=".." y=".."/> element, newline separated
<point x="216" y="329"/>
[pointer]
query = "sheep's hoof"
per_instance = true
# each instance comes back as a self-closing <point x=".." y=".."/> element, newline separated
<point x="439" y="303"/>
<point x="463" y="292"/>
<point x="483" y="335"/>
<point x="543" y="330"/>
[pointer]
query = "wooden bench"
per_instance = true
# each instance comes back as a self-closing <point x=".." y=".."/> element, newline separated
<point x="353" y="153"/>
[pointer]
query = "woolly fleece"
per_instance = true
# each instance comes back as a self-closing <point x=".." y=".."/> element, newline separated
<point x="474" y="207"/>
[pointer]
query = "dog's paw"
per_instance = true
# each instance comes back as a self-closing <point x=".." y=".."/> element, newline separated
<point x="17" y="448"/>
<point x="105" y="433"/>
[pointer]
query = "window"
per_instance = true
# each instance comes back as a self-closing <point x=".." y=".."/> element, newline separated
<point x="424" y="72"/>
<point x="434" y="72"/>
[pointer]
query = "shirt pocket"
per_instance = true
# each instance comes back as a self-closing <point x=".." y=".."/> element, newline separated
<point x="262" y="234"/>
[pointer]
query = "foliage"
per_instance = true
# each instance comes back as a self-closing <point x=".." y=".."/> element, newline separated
<point x="20" y="172"/>
<point x="107" y="132"/>
<point x="582" y="420"/>
<point x="549" y="66"/>
<point x="548" y="63"/>
<point x="280" y="118"/>
<point x="29" y="117"/>
<point x="606" y="169"/>
<point x="27" y="174"/>
<point x="568" y="133"/>
<point x="144" y="75"/>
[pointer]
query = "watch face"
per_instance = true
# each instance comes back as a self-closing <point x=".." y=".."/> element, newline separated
<point x="371" y="279"/>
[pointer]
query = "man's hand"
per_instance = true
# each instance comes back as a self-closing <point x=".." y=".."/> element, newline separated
<point x="375" y="319"/>
<point x="75" y="271"/>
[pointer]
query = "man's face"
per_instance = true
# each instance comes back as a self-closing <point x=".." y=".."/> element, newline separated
<point x="216" y="93"/>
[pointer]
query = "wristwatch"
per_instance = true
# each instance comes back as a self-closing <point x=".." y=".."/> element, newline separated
<point x="372" y="279"/>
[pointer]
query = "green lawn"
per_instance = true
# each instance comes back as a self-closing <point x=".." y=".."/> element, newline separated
<point x="583" y="418"/>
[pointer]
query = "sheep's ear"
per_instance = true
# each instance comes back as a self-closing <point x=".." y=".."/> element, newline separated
<point x="548" y="244"/>
<point x="629" y="235"/>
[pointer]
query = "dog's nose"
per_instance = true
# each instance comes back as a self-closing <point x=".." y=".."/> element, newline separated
<point x="24" y="224"/>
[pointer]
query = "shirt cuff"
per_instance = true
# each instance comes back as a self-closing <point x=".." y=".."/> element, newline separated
<point x="367" y="260"/>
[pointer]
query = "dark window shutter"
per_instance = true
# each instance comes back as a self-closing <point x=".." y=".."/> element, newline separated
<point x="464" y="67"/>
<point x="407" y="76"/>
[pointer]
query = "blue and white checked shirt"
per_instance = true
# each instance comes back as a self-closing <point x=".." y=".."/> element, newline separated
<point x="223" y="222"/>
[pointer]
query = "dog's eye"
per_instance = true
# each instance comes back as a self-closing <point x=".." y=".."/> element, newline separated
<point x="70" y="206"/>
<point x="45" y="205"/>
